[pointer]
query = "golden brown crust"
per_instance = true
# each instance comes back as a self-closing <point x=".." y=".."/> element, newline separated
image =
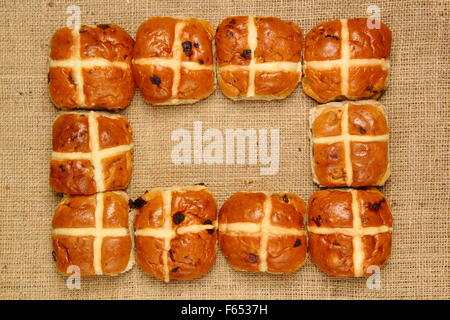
<point x="241" y="252"/>
<point x="330" y="209"/>
<point x="278" y="40"/>
<point x="329" y="123"/>
<point x="115" y="211"/>
<point x="62" y="87"/>
<point x="350" y="144"/>
<point x="191" y="255"/>
<point x="288" y="211"/>
<point x="62" y="44"/>
<point x="104" y="86"/>
<point x="154" y="38"/>
<point x="328" y="49"/>
<point x="286" y="253"/>
<point x="332" y="253"/>
<point x="149" y="253"/>
<point x="197" y="207"/>
<point x="79" y="211"/>
<point x="233" y="83"/>
<point x="151" y="214"/>
<point x="275" y="41"/>
<point x="349" y="230"/>
<point x="323" y="85"/>
<point x="192" y="45"/>
<point x="115" y="254"/>
<point x="201" y="34"/>
<point x="324" y="42"/>
<point x="368" y="43"/>
<point x="243" y="207"/>
<point x="377" y="250"/>
<point x="252" y="241"/>
<point x="106" y="41"/>
<point x="369" y="162"/>
<point x="72" y="177"/>
<point x="155" y="82"/>
<point x="366" y="119"/>
<point x="366" y="82"/>
<point x="117" y="171"/>
<point x="173" y="252"/>
<point x="74" y="251"/>
<point x="75" y="212"/>
<point x="73" y="241"/>
<point x="108" y="88"/>
<point x="195" y="84"/>
<point x="275" y="83"/>
<point x="231" y="41"/>
<point x="113" y="132"/>
<point x="375" y="209"/>
<point x="329" y="164"/>
<point x="72" y="133"/>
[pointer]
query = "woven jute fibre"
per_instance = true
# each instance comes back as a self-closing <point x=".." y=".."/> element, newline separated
<point x="417" y="101"/>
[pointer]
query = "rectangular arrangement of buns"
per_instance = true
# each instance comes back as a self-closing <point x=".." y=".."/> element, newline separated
<point x="172" y="232"/>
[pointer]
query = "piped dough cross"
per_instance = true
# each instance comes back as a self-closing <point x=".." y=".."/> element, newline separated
<point x="253" y="66"/>
<point x="356" y="232"/>
<point x="77" y="65"/>
<point x="263" y="229"/>
<point x="174" y="62"/>
<point x="346" y="62"/>
<point x="98" y="232"/>
<point x="167" y="233"/>
<point x="95" y="155"/>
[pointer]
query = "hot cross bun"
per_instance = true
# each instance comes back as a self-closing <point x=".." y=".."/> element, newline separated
<point x="346" y="60"/>
<point x="90" y="68"/>
<point x="91" y="153"/>
<point x="349" y="142"/>
<point x="349" y="231"/>
<point x="263" y="232"/>
<point x="173" y="60"/>
<point x="92" y="233"/>
<point x="258" y="58"/>
<point x="176" y="232"/>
